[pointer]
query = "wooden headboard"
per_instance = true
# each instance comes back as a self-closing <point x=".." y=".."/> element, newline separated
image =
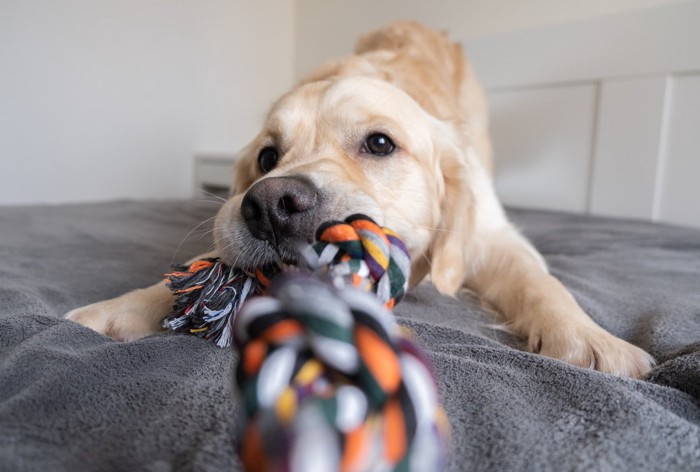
<point x="600" y="116"/>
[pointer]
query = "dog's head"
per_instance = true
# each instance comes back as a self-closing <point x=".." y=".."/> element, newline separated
<point x="344" y="142"/>
<point x="332" y="148"/>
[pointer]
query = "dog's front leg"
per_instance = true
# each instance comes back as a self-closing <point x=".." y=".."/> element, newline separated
<point x="127" y="317"/>
<point x="510" y="274"/>
<point x="130" y="316"/>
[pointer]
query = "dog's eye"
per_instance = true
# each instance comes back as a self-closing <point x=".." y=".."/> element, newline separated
<point x="378" y="144"/>
<point x="267" y="159"/>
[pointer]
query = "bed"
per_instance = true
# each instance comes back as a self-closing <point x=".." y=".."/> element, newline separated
<point x="72" y="399"/>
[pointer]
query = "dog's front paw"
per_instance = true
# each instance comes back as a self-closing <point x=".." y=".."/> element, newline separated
<point x="590" y="346"/>
<point x="112" y="318"/>
<point x="102" y="317"/>
<point x="129" y="317"/>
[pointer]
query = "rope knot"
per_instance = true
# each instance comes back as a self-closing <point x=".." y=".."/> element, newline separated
<point x="328" y="379"/>
<point x="369" y="256"/>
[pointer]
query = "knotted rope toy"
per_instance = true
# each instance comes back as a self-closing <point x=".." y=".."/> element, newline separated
<point x="327" y="380"/>
<point x="209" y="293"/>
<point x="329" y="383"/>
<point x="364" y="253"/>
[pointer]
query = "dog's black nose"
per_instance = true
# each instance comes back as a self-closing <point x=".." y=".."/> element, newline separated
<point x="278" y="209"/>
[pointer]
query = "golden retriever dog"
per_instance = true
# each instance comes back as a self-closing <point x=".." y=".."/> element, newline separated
<point x="398" y="131"/>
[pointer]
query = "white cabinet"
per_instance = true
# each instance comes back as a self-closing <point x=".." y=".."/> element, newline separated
<point x="542" y="146"/>
<point x="601" y="116"/>
<point x="213" y="173"/>
<point x="679" y="199"/>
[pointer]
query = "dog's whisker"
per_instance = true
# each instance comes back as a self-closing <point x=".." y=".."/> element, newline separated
<point x="217" y="198"/>
<point x="207" y="200"/>
<point x="182" y="241"/>
<point x="205" y="234"/>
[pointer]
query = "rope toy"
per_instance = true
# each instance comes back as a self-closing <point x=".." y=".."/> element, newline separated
<point x="326" y="379"/>
<point x="370" y="257"/>
<point x="209" y="293"/>
<point x="328" y="383"/>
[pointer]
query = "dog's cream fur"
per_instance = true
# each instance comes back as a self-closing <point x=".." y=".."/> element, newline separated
<point x="415" y="86"/>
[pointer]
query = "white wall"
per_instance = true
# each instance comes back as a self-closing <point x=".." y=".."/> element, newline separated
<point x="111" y="99"/>
<point x="328" y="29"/>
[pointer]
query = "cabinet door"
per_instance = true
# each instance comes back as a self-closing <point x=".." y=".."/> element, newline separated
<point x="542" y="140"/>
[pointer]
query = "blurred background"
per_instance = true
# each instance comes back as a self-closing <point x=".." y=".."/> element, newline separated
<point x="595" y="103"/>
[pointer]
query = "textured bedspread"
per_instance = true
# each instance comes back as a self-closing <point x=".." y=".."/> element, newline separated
<point x="71" y="399"/>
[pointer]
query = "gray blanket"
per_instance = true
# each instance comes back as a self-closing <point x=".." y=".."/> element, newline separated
<point x="71" y="399"/>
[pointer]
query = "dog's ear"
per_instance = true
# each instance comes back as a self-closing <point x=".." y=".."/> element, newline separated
<point x="448" y="250"/>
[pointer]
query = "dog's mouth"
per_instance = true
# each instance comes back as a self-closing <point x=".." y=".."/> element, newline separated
<point x="287" y="254"/>
<point x="260" y="253"/>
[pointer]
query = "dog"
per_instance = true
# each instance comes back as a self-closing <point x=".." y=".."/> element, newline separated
<point x="397" y="131"/>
